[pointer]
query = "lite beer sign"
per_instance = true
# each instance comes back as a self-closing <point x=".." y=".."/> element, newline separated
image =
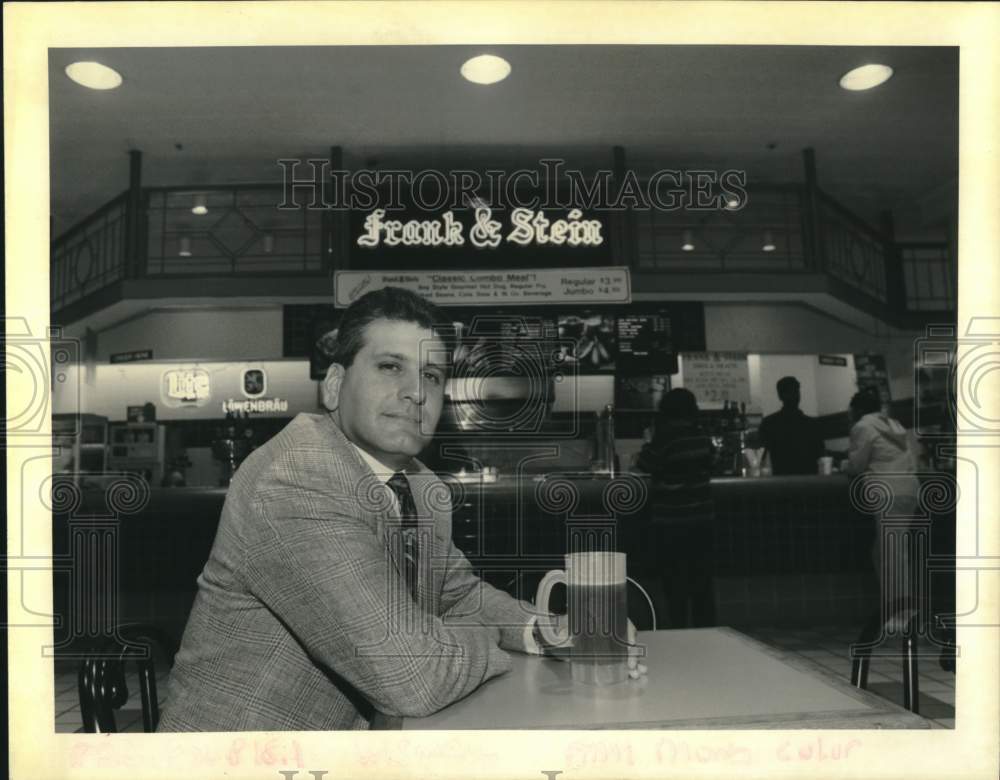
<point x="527" y="228"/>
<point x="186" y="387"/>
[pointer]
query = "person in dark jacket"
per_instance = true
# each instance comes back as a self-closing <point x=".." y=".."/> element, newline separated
<point x="791" y="437"/>
<point x="679" y="459"/>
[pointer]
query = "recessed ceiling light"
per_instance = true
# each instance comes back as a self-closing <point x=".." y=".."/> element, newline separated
<point x="94" y="75"/>
<point x="865" y="77"/>
<point x="486" y="69"/>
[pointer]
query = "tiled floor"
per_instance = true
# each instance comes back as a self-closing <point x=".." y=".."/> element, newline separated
<point x="827" y="646"/>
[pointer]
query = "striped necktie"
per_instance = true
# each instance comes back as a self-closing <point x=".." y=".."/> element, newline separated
<point x="400" y="485"/>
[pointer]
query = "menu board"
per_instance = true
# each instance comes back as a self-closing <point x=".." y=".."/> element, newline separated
<point x="524" y="343"/>
<point x="716" y="377"/>
<point x="642" y="393"/>
<point x="502" y="287"/>
<point x="645" y="343"/>
<point x="587" y="341"/>
<point x="871" y="372"/>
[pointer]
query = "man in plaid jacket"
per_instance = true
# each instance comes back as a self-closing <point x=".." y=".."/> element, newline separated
<point x="304" y="618"/>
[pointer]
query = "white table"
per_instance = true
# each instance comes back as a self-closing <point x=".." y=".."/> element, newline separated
<point x="698" y="679"/>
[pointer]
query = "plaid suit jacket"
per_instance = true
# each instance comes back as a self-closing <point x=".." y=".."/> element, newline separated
<point x="303" y="620"/>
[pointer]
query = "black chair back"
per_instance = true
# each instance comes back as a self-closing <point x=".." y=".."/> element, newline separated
<point x="101" y="677"/>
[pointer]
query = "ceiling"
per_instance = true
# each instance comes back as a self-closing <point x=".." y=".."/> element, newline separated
<point x="224" y="115"/>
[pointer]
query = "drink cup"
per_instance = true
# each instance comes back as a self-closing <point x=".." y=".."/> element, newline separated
<point x="598" y="615"/>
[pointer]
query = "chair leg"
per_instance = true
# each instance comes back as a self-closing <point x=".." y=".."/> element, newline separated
<point x="105" y="687"/>
<point x="147" y="689"/>
<point x="859" y="671"/>
<point x="911" y="684"/>
<point x="87" y="692"/>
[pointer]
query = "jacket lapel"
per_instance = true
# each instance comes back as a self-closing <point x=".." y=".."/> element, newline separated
<point x="377" y="510"/>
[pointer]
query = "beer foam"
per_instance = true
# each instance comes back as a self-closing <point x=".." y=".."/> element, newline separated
<point x="595" y="568"/>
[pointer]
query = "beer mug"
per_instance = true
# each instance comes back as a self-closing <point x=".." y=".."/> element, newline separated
<point x="598" y="615"/>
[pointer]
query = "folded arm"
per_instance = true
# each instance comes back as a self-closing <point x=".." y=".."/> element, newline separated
<point x="328" y="577"/>
<point x="467" y="598"/>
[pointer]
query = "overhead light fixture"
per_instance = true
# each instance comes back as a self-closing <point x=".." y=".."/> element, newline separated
<point x="768" y="245"/>
<point x="865" y="77"/>
<point x="485" y="69"/>
<point x="732" y="203"/>
<point x="268" y="243"/>
<point x="94" y="75"/>
<point x="200" y="205"/>
<point x="185" y="248"/>
<point x="688" y="239"/>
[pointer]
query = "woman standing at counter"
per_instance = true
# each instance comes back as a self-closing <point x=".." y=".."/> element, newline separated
<point x="881" y="446"/>
<point x="679" y="458"/>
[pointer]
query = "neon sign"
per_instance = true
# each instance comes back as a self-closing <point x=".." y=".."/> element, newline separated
<point x="527" y="227"/>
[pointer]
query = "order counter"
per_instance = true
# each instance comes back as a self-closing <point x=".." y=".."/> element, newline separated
<point x="785" y="549"/>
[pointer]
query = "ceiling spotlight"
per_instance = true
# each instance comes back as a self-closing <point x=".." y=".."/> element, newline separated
<point x="94" y="75"/>
<point x="865" y="77"/>
<point x="688" y="245"/>
<point x="486" y="69"/>
<point x="200" y="205"/>
<point x="732" y="203"/>
<point x="768" y="245"/>
<point x="268" y="243"/>
<point x="185" y="248"/>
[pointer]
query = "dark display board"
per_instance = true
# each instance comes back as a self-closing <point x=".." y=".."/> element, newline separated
<point x="505" y="343"/>
<point x="641" y="393"/>
<point x="645" y="343"/>
<point x="872" y="373"/>
<point x="588" y="342"/>
<point x="639" y="340"/>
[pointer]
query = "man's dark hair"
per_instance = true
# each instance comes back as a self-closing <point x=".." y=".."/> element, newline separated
<point x="866" y="402"/>
<point x="786" y="384"/>
<point x="388" y="303"/>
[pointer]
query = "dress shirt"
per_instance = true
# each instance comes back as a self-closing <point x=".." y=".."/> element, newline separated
<point x="384" y="473"/>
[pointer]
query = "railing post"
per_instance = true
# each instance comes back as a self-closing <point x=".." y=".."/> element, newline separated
<point x="895" y="285"/>
<point x="133" y="216"/>
<point x="811" y="239"/>
<point x="624" y="243"/>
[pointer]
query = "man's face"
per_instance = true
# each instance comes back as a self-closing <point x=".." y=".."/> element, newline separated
<point x="389" y="400"/>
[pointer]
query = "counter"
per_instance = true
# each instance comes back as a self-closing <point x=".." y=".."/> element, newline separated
<point x="786" y="549"/>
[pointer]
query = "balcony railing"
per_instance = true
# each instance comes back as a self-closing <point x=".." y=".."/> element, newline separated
<point x="238" y="231"/>
<point x="90" y="256"/>
<point x="764" y="235"/>
<point x="930" y="276"/>
<point x="241" y="232"/>
<point x="851" y="251"/>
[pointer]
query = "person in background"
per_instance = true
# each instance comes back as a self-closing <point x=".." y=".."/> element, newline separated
<point x="882" y="447"/>
<point x="790" y="437"/>
<point x="679" y="458"/>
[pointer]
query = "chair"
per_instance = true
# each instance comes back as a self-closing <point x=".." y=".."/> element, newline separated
<point x="948" y="649"/>
<point x="904" y="615"/>
<point x="101" y="676"/>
